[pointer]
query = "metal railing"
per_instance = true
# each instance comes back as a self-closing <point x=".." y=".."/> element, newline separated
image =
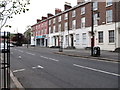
<point x="5" y="61"/>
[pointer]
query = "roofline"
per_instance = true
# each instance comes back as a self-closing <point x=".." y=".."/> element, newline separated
<point x="62" y="12"/>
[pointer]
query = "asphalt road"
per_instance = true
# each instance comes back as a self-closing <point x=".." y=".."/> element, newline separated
<point x="41" y="68"/>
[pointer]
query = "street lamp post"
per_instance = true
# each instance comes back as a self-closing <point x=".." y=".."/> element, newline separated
<point x="92" y="29"/>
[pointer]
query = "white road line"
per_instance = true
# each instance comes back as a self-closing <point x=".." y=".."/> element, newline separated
<point x="44" y="57"/>
<point x="53" y="59"/>
<point x="96" y="60"/>
<point x="30" y="53"/>
<point x="20" y="51"/>
<point x="34" y="67"/>
<point x="20" y="70"/>
<point x="39" y="66"/>
<point x="97" y="70"/>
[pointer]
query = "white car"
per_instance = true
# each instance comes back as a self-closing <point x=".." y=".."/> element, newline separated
<point x="2" y="49"/>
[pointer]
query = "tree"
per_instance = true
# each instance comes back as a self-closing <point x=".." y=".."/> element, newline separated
<point x="8" y="8"/>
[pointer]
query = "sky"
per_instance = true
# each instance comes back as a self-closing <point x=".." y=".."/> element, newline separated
<point x="37" y="9"/>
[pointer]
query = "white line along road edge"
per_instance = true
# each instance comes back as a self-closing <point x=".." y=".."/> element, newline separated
<point x="97" y="70"/>
<point x="16" y="82"/>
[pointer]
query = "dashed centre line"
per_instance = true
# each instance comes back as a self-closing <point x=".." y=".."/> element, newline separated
<point x="49" y="58"/>
<point x="30" y="53"/>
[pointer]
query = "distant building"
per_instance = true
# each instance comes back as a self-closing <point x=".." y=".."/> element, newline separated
<point x="40" y="33"/>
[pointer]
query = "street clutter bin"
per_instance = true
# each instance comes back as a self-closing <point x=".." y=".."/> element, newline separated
<point x="96" y="51"/>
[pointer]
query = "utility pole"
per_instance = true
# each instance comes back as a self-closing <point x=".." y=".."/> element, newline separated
<point x="68" y="30"/>
<point x="92" y="28"/>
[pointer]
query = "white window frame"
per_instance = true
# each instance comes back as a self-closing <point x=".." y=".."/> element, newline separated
<point x="100" y="37"/>
<point x="54" y="29"/>
<point x="109" y="16"/>
<point x="66" y="25"/>
<point x="54" y="20"/>
<point x="74" y="24"/>
<point x="59" y="18"/>
<point x="66" y="38"/>
<point x="77" y="39"/>
<point x="111" y="37"/>
<point x="95" y="6"/>
<point x="82" y="10"/>
<point x="65" y="16"/>
<point x="96" y="19"/>
<point x="59" y="27"/>
<point x="84" y="38"/>
<point x="73" y="13"/>
<point x="108" y="3"/>
<point x="83" y="22"/>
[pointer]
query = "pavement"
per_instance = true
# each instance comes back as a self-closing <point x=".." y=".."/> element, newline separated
<point x="104" y="55"/>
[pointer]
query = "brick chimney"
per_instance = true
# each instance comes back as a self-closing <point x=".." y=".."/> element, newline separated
<point x="80" y="1"/>
<point x="43" y="18"/>
<point x="67" y="6"/>
<point x="57" y="11"/>
<point x="38" y="20"/>
<point x="49" y="15"/>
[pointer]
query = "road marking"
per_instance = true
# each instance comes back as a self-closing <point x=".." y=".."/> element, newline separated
<point x="97" y="70"/>
<point x="34" y="67"/>
<point x="39" y="66"/>
<point x="96" y="60"/>
<point x="30" y="53"/>
<point x="20" y="70"/>
<point x="53" y="59"/>
<point x="20" y="51"/>
<point x="44" y="57"/>
<point x="49" y="58"/>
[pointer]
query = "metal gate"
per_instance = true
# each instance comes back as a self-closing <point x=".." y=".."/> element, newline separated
<point x="5" y="61"/>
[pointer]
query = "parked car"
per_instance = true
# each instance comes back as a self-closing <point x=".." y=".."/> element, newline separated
<point x="4" y="49"/>
<point x="11" y="45"/>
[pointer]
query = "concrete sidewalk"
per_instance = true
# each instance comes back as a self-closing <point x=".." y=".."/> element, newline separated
<point x="105" y="55"/>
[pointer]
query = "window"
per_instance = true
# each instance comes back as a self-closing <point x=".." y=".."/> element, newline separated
<point x="54" y="20"/>
<point x="111" y="36"/>
<point x="59" y="19"/>
<point x="66" y="38"/>
<point x="49" y="29"/>
<point x="73" y="24"/>
<point x="95" y="19"/>
<point x="66" y="26"/>
<point x="73" y="13"/>
<point x="53" y="28"/>
<point x="66" y="16"/>
<point x="59" y="27"/>
<point x="108" y="2"/>
<point x="83" y="22"/>
<point x="82" y="10"/>
<point x="109" y="16"/>
<point x="95" y="5"/>
<point x="77" y="39"/>
<point x="84" y="38"/>
<point x="100" y="37"/>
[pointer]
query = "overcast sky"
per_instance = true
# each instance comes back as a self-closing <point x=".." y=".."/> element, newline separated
<point x="38" y="8"/>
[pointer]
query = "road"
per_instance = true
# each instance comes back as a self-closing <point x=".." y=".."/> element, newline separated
<point x="41" y="68"/>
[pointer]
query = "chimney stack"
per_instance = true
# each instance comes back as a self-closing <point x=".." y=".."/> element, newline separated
<point x="80" y="1"/>
<point x="43" y="18"/>
<point x="67" y="6"/>
<point x="57" y="11"/>
<point x="49" y="15"/>
<point x="38" y="20"/>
